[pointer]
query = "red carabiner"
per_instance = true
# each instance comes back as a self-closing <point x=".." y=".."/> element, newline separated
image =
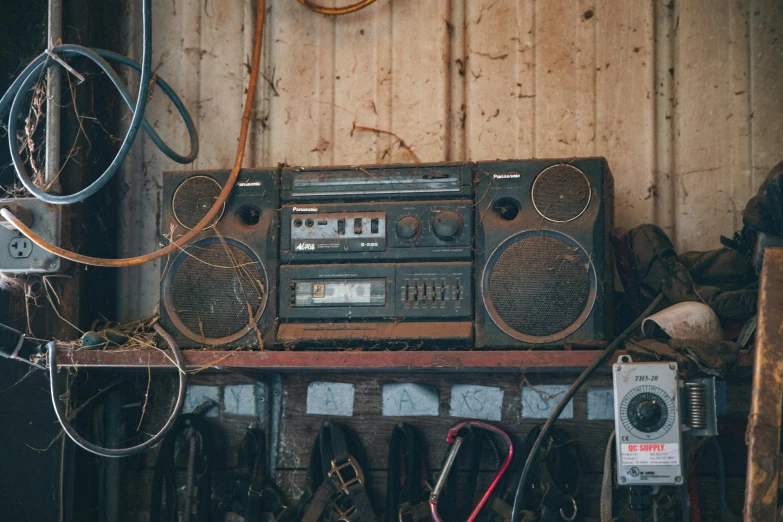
<point x="456" y="442"/>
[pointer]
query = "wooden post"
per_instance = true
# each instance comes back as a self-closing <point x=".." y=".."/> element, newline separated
<point x="763" y="435"/>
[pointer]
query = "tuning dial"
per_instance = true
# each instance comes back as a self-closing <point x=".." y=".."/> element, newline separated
<point x="447" y="225"/>
<point x="408" y="228"/>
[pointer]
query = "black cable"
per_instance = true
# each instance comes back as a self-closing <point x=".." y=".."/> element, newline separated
<point x="720" y="463"/>
<point x="59" y="408"/>
<point x="14" y="345"/>
<point x="516" y="511"/>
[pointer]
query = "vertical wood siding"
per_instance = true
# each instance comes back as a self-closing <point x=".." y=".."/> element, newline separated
<point x="683" y="98"/>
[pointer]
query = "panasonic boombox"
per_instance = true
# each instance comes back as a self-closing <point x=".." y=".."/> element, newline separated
<point x="501" y="254"/>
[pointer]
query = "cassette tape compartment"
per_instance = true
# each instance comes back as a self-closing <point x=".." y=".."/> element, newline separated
<point x="326" y="304"/>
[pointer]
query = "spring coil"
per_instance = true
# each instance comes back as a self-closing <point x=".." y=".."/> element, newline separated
<point x="696" y="400"/>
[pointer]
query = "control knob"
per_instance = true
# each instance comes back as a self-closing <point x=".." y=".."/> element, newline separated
<point x="408" y="228"/>
<point x="648" y="413"/>
<point x="447" y="225"/>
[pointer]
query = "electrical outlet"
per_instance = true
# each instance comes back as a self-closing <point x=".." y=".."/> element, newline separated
<point x="20" y="247"/>
<point x="17" y="253"/>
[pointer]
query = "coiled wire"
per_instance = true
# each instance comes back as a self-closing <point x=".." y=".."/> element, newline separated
<point x="15" y="96"/>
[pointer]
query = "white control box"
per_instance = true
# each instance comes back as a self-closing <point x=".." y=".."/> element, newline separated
<point x="647" y="422"/>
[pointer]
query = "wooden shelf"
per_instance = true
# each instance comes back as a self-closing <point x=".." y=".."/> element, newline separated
<point x="386" y="361"/>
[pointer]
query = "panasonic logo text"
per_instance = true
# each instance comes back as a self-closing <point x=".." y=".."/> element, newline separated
<point x="506" y="176"/>
<point x="305" y="209"/>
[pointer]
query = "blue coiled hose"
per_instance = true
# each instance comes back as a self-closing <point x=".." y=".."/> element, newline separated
<point x="16" y="94"/>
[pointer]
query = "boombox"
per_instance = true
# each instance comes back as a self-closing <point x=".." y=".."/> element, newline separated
<point x="485" y="255"/>
<point x="222" y="288"/>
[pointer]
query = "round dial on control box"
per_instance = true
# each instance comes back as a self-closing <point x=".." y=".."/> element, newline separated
<point x="447" y="225"/>
<point x="647" y="412"/>
<point x="408" y="228"/>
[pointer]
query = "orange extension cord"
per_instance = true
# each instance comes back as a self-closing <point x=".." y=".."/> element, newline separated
<point x="335" y="10"/>
<point x="177" y="245"/>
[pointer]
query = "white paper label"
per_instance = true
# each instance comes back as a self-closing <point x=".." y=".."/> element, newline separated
<point x="600" y="403"/>
<point x="240" y="399"/>
<point x="330" y="398"/>
<point x="197" y="395"/>
<point x="647" y="454"/>
<point x="538" y="402"/>
<point x="476" y="402"/>
<point x="409" y="400"/>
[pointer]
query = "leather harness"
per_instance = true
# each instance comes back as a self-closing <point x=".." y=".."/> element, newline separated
<point x="408" y="488"/>
<point x="336" y="489"/>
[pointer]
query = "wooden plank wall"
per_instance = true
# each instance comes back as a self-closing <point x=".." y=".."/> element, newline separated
<point x="681" y="97"/>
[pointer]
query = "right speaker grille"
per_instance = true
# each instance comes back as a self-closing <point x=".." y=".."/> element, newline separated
<point x="540" y="286"/>
<point x="561" y="193"/>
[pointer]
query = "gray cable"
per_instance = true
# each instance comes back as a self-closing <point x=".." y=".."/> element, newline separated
<point x="606" y="482"/>
<point x="59" y="407"/>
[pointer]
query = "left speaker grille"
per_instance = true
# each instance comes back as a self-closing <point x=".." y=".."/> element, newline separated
<point x="216" y="290"/>
<point x="193" y="199"/>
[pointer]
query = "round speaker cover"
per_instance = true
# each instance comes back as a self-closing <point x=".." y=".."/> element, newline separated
<point x="539" y="286"/>
<point x="561" y="193"/>
<point x="193" y="199"/>
<point x="215" y="291"/>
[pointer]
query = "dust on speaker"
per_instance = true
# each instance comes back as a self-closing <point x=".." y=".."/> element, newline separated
<point x="220" y="290"/>
<point x="543" y="273"/>
<point x="215" y="291"/>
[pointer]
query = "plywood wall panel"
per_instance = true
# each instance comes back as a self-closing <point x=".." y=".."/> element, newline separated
<point x="301" y="118"/>
<point x="625" y="112"/>
<point x="664" y="103"/>
<point x="419" y="79"/>
<point x="712" y="84"/>
<point x="499" y="76"/>
<point x="766" y="94"/>
<point x="362" y="87"/>
<point x="221" y="79"/>
<point x="565" y="78"/>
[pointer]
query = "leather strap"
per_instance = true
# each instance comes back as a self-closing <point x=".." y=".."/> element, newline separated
<point x="457" y="502"/>
<point x="163" y="478"/>
<point x="407" y="491"/>
<point x="264" y="501"/>
<point x="556" y="484"/>
<point x="341" y="494"/>
<point x="249" y="493"/>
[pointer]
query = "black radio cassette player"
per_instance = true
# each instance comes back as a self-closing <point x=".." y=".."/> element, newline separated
<point x="376" y="253"/>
